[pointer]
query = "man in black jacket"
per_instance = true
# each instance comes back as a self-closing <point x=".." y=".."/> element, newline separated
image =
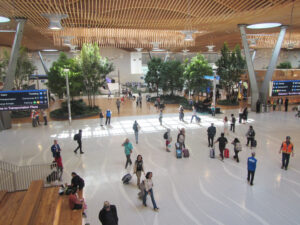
<point x="211" y="132"/>
<point x="77" y="181"/>
<point x="108" y="214"/>
<point x="77" y="138"/>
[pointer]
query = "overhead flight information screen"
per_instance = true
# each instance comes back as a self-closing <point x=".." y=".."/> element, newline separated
<point x="23" y="100"/>
<point x="285" y="87"/>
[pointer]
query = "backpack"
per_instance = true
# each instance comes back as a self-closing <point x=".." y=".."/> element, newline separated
<point x="75" y="137"/>
<point x="166" y="135"/>
<point x="238" y="146"/>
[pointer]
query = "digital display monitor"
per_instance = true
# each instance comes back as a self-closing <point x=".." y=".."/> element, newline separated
<point x="285" y="87"/>
<point x="23" y="100"/>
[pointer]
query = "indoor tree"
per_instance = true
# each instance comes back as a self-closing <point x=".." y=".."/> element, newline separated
<point x="171" y="73"/>
<point x="194" y="73"/>
<point x="153" y="76"/>
<point x="93" y="69"/>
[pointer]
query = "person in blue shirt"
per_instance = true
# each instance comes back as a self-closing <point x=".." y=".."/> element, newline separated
<point x="55" y="148"/>
<point x="251" y="168"/>
<point x="108" y="116"/>
<point x="128" y="150"/>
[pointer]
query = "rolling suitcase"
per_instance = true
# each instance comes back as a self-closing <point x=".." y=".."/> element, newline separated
<point x="186" y="153"/>
<point x="126" y="178"/>
<point x="178" y="153"/>
<point x="212" y="153"/>
<point x="52" y="177"/>
<point x="226" y="153"/>
<point x="254" y="143"/>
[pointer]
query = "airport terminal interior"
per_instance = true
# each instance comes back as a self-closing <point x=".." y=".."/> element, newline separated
<point x="133" y="37"/>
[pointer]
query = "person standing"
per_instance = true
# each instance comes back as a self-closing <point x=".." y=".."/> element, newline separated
<point x="211" y="132"/>
<point x="245" y="114"/>
<point x="33" y="118"/>
<point x="194" y="114"/>
<point x="78" y="138"/>
<point x="149" y="190"/>
<point x="287" y="148"/>
<point x="240" y="115"/>
<point x="258" y="106"/>
<point x="108" y="116"/>
<point x="279" y="103"/>
<point x="45" y="117"/>
<point x="138" y="169"/>
<point x="101" y="116"/>
<point x="237" y="148"/>
<point x="118" y="103"/>
<point x="55" y="148"/>
<point x="232" y="125"/>
<point x="128" y="150"/>
<point x="250" y="136"/>
<point x="168" y="138"/>
<point x="225" y="121"/>
<point x="181" y="113"/>
<point x="251" y="168"/>
<point x="37" y="117"/>
<point x="140" y="100"/>
<point x="286" y="104"/>
<point x="59" y="165"/>
<point x="160" y="116"/>
<point x="136" y="127"/>
<point x="222" y="144"/>
<point x="181" y="138"/>
<point x="274" y="104"/>
<point x="108" y="214"/>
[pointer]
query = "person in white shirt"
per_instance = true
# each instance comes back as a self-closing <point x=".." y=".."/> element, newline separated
<point x="149" y="190"/>
<point x="194" y="114"/>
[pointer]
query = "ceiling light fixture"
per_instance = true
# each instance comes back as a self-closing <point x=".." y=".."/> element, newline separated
<point x="188" y="32"/>
<point x="291" y="45"/>
<point x="54" y="20"/>
<point x="138" y="49"/>
<point x="67" y="40"/>
<point x="210" y="48"/>
<point x="156" y="48"/>
<point x="263" y="25"/>
<point x="4" y="19"/>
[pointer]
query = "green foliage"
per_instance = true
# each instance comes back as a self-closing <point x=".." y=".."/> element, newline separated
<point x="285" y="65"/>
<point x="194" y="74"/>
<point x="228" y="102"/>
<point x="230" y="67"/>
<point x="153" y="76"/>
<point x="93" y="69"/>
<point x="78" y="108"/>
<point x="57" y="76"/>
<point x="171" y="74"/>
<point x="3" y="65"/>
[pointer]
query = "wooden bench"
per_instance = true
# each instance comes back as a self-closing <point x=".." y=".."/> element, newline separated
<point x="9" y="206"/>
<point x="30" y="203"/>
<point x="68" y="216"/>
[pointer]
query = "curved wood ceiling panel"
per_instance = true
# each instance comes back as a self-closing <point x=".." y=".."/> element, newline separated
<point x="137" y="23"/>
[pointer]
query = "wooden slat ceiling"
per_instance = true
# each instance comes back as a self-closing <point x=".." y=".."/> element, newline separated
<point x="133" y="24"/>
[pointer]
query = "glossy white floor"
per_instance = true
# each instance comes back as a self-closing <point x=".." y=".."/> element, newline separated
<point x="197" y="190"/>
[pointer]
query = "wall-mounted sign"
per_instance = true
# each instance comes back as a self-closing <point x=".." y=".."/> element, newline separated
<point x="285" y="87"/>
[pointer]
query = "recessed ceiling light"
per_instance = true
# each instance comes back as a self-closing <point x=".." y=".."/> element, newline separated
<point x="50" y="50"/>
<point x="4" y="19"/>
<point x="263" y="25"/>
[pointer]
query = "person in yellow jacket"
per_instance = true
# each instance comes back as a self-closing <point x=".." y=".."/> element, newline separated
<point x="287" y="148"/>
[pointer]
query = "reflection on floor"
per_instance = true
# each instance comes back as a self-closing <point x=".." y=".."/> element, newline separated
<point x="197" y="190"/>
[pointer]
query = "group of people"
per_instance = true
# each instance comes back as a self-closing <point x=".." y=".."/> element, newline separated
<point x="35" y="117"/>
<point x="108" y="114"/>
<point x="274" y="103"/>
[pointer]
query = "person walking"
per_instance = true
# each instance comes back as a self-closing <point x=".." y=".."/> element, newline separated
<point x="287" y="148"/>
<point x="45" y="117"/>
<point x="78" y="138"/>
<point x="286" y="104"/>
<point x="149" y="190"/>
<point x="108" y="214"/>
<point x="237" y="148"/>
<point x="128" y="150"/>
<point x="101" y="116"/>
<point x="194" y="115"/>
<point x="160" y="116"/>
<point x="118" y="103"/>
<point x="136" y="128"/>
<point x="245" y="114"/>
<point x="225" y="121"/>
<point x="250" y="136"/>
<point x="181" y="138"/>
<point x="240" y="115"/>
<point x="138" y="169"/>
<point x="108" y="117"/>
<point x="222" y="144"/>
<point x="181" y="113"/>
<point x="55" y="148"/>
<point x="168" y="138"/>
<point x="211" y="132"/>
<point x="251" y="168"/>
<point x="232" y="125"/>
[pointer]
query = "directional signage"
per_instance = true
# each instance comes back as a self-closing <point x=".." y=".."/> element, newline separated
<point x="285" y="87"/>
<point x="23" y="100"/>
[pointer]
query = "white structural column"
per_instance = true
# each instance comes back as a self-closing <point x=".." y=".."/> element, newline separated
<point x="264" y="90"/>
<point x="43" y="63"/>
<point x="5" y="119"/>
<point x="253" y="82"/>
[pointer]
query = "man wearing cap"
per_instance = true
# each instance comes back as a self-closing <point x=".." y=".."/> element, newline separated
<point x="108" y="214"/>
<point x="287" y="148"/>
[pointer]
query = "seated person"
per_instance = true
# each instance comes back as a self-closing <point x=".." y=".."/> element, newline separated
<point x="76" y="203"/>
<point x="77" y="181"/>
